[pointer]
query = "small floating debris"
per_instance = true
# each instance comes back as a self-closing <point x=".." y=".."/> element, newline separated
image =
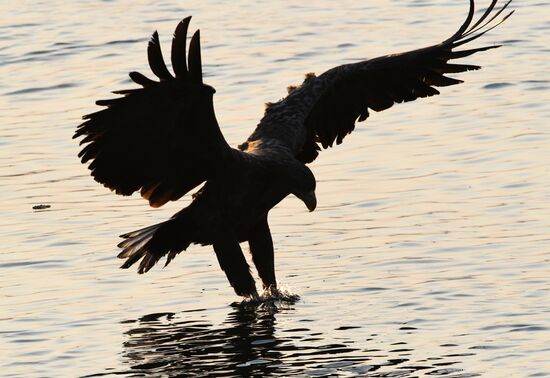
<point x="497" y="85"/>
<point x="41" y="207"/>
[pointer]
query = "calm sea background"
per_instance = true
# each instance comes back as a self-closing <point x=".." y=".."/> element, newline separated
<point x="428" y="254"/>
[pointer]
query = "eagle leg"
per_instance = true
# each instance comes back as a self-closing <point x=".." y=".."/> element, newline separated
<point x="261" y="248"/>
<point x="232" y="261"/>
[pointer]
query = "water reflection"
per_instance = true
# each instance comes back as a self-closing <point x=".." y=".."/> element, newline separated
<point x="251" y="342"/>
<point x="246" y="343"/>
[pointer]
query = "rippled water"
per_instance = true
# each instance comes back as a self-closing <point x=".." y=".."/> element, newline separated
<point x="428" y="254"/>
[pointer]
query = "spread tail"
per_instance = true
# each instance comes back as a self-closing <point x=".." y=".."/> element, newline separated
<point x="153" y="242"/>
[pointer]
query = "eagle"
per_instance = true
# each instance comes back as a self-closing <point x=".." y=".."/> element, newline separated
<point x="162" y="140"/>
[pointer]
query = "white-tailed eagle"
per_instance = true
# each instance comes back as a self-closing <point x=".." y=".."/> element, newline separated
<point x="162" y="139"/>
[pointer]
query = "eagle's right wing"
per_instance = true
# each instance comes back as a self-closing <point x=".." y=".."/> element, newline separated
<point x="163" y="138"/>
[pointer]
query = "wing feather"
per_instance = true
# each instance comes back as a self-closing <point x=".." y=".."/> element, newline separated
<point x="179" y="43"/>
<point x="195" y="61"/>
<point x="141" y="79"/>
<point x="162" y="139"/>
<point x="338" y="98"/>
<point x="156" y="61"/>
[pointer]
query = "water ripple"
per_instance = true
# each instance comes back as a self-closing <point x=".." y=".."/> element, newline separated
<point x="428" y="252"/>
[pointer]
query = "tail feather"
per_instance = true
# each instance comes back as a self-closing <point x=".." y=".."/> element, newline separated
<point x="135" y="240"/>
<point x="140" y="231"/>
<point x="151" y="243"/>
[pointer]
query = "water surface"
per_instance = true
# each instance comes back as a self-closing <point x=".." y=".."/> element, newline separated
<point x="428" y="254"/>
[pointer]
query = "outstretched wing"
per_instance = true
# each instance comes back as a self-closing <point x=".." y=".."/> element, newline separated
<point x="163" y="138"/>
<point x="349" y="91"/>
<point x="330" y="104"/>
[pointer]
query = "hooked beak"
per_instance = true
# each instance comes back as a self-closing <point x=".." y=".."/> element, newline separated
<point x="310" y="200"/>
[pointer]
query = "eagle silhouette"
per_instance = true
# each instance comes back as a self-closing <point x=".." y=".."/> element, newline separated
<point x="163" y="140"/>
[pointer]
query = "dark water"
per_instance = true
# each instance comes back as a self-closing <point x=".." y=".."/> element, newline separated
<point x="428" y="254"/>
<point x="251" y="342"/>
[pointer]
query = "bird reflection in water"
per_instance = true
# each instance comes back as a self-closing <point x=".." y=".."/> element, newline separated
<point x="250" y="342"/>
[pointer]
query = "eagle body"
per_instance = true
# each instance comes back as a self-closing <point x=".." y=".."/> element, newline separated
<point x="240" y="198"/>
<point x="163" y="140"/>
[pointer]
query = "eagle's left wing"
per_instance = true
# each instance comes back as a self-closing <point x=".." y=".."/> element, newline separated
<point x="349" y="91"/>
<point x="324" y="109"/>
